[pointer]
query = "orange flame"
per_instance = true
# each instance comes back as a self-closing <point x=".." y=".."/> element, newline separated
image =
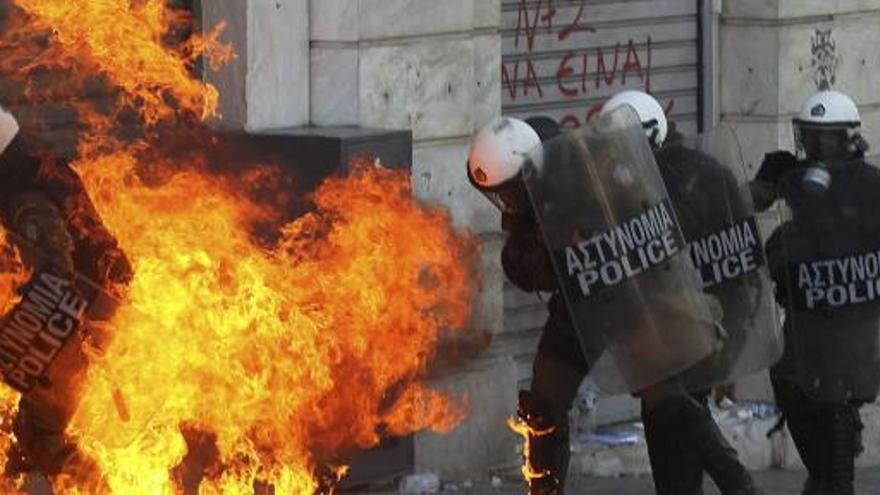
<point x="12" y="274"/>
<point x="522" y="428"/>
<point x="122" y="40"/>
<point x="258" y="363"/>
<point x="286" y="355"/>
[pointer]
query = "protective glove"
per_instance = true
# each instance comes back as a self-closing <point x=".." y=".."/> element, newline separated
<point x="775" y="165"/>
<point x="764" y="194"/>
<point x="765" y="187"/>
<point x="114" y="266"/>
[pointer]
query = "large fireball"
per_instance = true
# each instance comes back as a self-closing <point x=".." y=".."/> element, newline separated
<point x="262" y="363"/>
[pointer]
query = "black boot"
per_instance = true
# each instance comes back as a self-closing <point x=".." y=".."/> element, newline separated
<point x="675" y="463"/>
<point x="827" y="437"/>
<point x="838" y="432"/>
<point x="720" y="460"/>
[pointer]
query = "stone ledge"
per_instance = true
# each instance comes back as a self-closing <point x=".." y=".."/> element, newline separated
<point x="350" y="20"/>
<point x="770" y="11"/>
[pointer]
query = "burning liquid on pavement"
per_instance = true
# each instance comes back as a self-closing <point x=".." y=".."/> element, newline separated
<point x="234" y="363"/>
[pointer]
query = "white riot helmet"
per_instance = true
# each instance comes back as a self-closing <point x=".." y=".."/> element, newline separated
<point x="497" y="155"/>
<point x="8" y="129"/>
<point x="650" y="113"/>
<point x="826" y="128"/>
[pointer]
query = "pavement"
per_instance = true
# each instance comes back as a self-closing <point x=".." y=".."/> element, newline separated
<point x="772" y="482"/>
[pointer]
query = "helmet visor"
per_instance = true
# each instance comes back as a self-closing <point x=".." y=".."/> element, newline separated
<point x="510" y="196"/>
<point x="825" y="143"/>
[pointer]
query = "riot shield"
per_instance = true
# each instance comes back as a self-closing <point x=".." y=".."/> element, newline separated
<point x="53" y="333"/>
<point x="50" y="308"/>
<point x="707" y="182"/>
<point x="825" y="261"/>
<point x="618" y="252"/>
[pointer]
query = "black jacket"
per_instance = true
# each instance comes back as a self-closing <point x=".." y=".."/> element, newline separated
<point x="96" y="249"/>
<point x="704" y="193"/>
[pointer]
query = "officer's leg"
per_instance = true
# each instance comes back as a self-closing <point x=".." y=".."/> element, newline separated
<point x="45" y="412"/>
<point x="684" y="440"/>
<point x="802" y="418"/>
<point x="719" y="458"/>
<point x="826" y="436"/>
<point x="837" y="431"/>
<point x="558" y="371"/>
<point x="675" y="463"/>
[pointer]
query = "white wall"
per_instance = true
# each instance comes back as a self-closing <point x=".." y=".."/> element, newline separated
<point x="267" y="85"/>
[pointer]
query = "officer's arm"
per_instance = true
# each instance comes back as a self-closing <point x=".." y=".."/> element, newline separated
<point x="765" y="186"/>
<point x="18" y="168"/>
<point x="775" y="252"/>
<point x="97" y="252"/>
<point x="524" y="258"/>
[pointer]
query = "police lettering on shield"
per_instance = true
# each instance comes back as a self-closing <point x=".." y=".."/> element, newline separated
<point x="623" y="252"/>
<point x="728" y="254"/>
<point x="38" y="327"/>
<point x="839" y="282"/>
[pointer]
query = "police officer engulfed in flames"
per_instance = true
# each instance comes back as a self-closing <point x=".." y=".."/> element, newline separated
<point x="72" y="260"/>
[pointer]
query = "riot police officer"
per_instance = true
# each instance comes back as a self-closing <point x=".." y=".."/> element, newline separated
<point x="44" y="206"/>
<point x="683" y="439"/>
<point x="824" y="262"/>
<point x="496" y="159"/>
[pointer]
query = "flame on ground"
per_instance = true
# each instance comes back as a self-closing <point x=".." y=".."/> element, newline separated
<point x="232" y="363"/>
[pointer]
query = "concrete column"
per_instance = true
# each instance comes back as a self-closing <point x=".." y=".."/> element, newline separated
<point x="776" y="53"/>
<point x="267" y="85"/>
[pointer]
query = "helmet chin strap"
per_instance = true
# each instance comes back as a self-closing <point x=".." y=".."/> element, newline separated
<point x="858" y="144"/>
<point x="652" y="124"/>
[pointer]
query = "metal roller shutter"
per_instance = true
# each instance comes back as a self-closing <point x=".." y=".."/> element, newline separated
<point x="564" y="58"/>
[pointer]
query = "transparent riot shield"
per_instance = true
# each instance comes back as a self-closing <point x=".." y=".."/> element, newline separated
<point x="54" y="330"/>
<point x="707" y="182"/>
<point x="618" y="252"/>
<point x="825" y="261"/>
